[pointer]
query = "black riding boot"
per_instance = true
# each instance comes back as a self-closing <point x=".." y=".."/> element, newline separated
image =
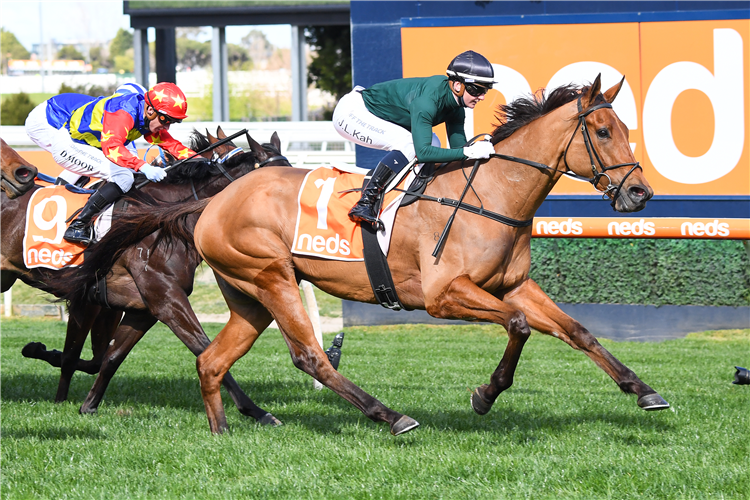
<point x="367" y="206"/>
<point x="80" y="230"/>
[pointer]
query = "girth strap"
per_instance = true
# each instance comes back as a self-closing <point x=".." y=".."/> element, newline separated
<point x="377" y="267"/>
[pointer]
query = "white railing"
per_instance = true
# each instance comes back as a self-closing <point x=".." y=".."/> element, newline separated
<point x="306" y="144"/>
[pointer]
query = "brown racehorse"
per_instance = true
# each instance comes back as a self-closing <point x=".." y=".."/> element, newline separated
<point x="16" y="174"/>
<point x="481" y="273"/>
<point x="149" y="282"/>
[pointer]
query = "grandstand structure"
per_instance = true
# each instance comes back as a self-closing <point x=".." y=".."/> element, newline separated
<point x="165" y="17"/>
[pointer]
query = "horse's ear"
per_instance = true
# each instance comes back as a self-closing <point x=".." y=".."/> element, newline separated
<point x="276" y="141"/>
<point x="211" y="139"/>
<point x="594" y="91"/>
<point x="220" y="133"/>
<point x="610" y="95"/>
<point x="256" y="148"/>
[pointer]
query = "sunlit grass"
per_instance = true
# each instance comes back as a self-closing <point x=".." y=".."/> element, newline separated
<point x="563" y="430"/>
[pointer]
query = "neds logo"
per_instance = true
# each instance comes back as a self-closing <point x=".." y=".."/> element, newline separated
<point x="700" y="229"/>
<point x="640" y="228"/>
<point x="333" y="245"/>
<point x="554" y="227"/>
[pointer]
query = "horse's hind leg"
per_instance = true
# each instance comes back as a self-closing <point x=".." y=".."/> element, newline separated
<point x="132" y="328"/>
<point x="544" y="316"/>
<point x="280" y="290"/>
<point x="462" y="299"/>
<point x="101" y="332"/>
<point x="79" y="324"/>
<point x="247" y="321"/>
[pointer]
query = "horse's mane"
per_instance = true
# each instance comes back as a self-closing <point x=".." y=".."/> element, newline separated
<point x="524" y="110"/>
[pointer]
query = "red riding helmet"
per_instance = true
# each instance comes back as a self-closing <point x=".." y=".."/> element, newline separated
<point x="168" y="100"/>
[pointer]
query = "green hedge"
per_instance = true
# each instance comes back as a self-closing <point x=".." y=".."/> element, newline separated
<point x="652" y="272"/>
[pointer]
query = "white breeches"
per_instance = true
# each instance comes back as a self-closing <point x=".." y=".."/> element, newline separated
<point x="354" y="122"/>
<point x="77" y="158"/>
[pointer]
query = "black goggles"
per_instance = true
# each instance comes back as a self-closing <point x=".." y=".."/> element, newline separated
<point x="476" y="90"/>
<point x="166" y="120"/>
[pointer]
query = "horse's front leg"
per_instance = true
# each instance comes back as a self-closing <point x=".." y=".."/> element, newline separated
<point x="462" y="299"/>
<point x="171" y="306"/>
<point x="544" y="315"/>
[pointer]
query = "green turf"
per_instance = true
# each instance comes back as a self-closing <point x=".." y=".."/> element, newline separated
<point x="562" y="431"/>
<point x="205" y="299"/>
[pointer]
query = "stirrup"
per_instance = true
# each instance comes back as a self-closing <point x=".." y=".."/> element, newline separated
<point x="377" y="224"/>
<point x="81" y="236"/>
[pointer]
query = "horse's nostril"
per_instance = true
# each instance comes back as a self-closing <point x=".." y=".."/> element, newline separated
<point x="637" y="192"/>
<point x="23" y="174"/>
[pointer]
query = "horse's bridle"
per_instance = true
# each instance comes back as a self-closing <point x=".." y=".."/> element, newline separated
<point x="219" y="161"/>
<point x="611" y="188"/>
<point x="593" y="154"/>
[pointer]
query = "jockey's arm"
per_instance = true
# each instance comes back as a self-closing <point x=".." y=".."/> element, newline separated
<point x="165" y="141"/>
<point x="115" y="128"/>
<point x="421" y="131"/>
<point x="455" y="131"/>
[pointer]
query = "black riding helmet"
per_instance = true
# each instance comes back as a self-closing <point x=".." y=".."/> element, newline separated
<point x="474" y="72"/>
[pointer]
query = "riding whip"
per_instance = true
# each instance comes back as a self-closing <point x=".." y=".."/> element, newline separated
<point x="209" y="148"/>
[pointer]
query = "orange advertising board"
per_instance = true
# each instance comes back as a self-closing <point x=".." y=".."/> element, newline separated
<point x="653" y="227"/>
<point x="685" y="100"/>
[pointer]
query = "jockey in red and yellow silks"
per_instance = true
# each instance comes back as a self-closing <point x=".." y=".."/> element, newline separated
<point x="93" y="136"/>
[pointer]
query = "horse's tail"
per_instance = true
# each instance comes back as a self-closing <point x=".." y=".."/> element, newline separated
<point x="171" y="222"/>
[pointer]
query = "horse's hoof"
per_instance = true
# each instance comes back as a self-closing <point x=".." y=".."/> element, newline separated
<point x="33" y="350"/>
<point x="403" y="424"/>
<point x="269" y="419"/>
<point x="480" y="405"/>
<point x="652" y="402"/>
<point x="84" y="410"/>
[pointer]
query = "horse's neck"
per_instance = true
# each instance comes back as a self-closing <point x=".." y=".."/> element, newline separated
<point x="517" y="190"/>
<point x="187" y="190"/>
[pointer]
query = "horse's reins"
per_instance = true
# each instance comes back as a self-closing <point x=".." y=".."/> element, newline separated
<point x="525" y="223"/>
<point x="592" y="155"/>
<point x="226" y="174"/>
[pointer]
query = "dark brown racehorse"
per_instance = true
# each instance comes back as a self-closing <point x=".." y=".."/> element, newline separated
<point x="149" y="281"/>
<point x="481" y="273"/>
<point x="16" y="174"/>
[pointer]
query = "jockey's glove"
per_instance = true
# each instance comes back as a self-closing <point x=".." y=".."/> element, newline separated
<point x="154" y="174"/>
<point x="479" y="150"/>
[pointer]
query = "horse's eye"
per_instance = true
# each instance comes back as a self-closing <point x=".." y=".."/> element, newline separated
<point x="603" y="133"/>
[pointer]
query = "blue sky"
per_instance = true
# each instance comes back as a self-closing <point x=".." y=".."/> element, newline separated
<point x="67" y="21"/>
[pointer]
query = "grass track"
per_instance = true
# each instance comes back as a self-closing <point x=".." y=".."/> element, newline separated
<point x="562" y="431"/>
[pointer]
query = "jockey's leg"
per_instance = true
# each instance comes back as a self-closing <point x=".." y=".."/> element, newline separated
<point x="366" y="208"/>
<point x="80" y="230"/>
<point x="120" y="181"/>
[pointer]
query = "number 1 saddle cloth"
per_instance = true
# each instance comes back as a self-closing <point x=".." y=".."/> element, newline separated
<point x="323" y="227"/>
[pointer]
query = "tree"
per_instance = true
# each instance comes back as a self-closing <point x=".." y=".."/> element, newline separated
<point x="122" y="41"/>
<point x="239" y="60"/>
<point x="258" y="47"/>
<point x="15" y="109"/>
<point x="11" y="48"/>
<point x="69" y="52"/>
<point x="192" y="53"/>
<point x="331" y="66"/>
<point x="97" y="59"/>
